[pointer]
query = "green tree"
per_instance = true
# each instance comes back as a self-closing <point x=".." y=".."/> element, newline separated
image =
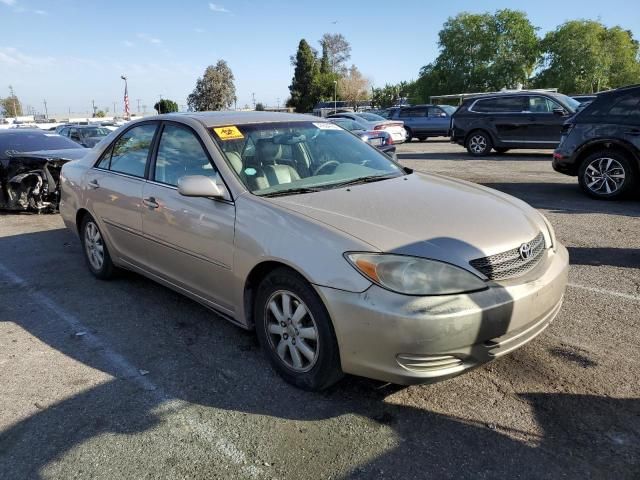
<point x="11" y="105"/>
<point x="303" y="94"/>
<point x="100" y="114"/>
<point x="337" y="50"/>
<point x="584" y="56"/>
<point x="215" y="90"/>
<point x="259" y="107"/>
<point x="480" y="52"/>
<point x="166" y="106"/>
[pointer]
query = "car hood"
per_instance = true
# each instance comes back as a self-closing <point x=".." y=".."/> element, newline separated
<point x="424" y="215"/>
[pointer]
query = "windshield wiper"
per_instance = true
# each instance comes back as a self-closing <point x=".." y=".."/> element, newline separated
<point x="367" y="179"/>
<point x="292" y="191"/>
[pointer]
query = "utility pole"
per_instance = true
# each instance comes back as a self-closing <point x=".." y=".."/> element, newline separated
<point x="46" y="112"/>
<point x="138" y="100"/>
<point x="93" y="105"/>
<point x="253" y="97"/>
<point x="114" y="109"/>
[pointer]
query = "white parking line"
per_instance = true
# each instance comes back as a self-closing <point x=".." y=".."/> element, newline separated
<point x="124" y="369"/>
<point x="628" y="296"/>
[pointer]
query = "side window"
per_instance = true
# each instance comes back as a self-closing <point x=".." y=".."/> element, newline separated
<point x="501" y="105"/>
<point x="435" y="112"/>
<point x="131" y="150"/>
<point x="541" y="105"/>
<point x="404" y="112"/>
<point x="74" y="134"/>
<point x="626" y="109"/>
<point x="64" y="132"/>
<point x="419" y="112"/>
<point x="179" y="154"/>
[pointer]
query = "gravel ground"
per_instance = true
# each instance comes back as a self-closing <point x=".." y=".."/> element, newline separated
<point x="127" y="379"/>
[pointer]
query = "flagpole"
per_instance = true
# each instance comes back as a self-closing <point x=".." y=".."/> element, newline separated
<point x="127" y="112"/>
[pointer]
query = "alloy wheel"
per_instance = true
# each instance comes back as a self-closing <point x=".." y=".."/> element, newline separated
<point x="604" y="176"/>
<point x="478" y="144"/>
<point x="292" y="331"/>
<point x="94" y="246"/>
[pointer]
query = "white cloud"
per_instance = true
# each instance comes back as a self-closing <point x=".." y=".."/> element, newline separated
<point x="127" y="43"/>
<point x="14" y="57"/>
<point x="40" y="12"/>
<point x="8" y="2"/>
<point x="218" y="8"/>
<point x="148" y="38"/>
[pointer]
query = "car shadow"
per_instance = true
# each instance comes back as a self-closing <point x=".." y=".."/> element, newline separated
<point x="463" y="156"/>
<point x="196" y="357"/>
<point x="614" y="257"/>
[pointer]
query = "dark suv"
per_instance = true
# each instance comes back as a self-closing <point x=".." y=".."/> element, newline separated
<point x="601" y="144"/>
<point x="423" y="121"/>
<point x="523" y="119"/>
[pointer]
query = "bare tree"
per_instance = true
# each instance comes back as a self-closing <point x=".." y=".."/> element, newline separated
<point x="338" y="51"/>
<point x="353" y="87"/>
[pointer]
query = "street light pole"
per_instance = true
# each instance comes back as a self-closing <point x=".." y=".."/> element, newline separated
<point x="46" y="112"/>
<point x="127" y="112"/>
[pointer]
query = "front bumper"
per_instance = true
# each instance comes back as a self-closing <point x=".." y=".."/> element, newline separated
<point x="406" y="340"/>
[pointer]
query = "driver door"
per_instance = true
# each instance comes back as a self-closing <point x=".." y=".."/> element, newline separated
<point x="189" y="239"/>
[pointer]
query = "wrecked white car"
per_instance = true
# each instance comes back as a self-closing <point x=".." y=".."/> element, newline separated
<point x="30" y="164"/>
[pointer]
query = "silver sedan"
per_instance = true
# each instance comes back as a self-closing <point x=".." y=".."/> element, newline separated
<point x="341" y="260"/>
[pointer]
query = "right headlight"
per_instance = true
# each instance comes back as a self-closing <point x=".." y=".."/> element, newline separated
<point x="414" y="275"/>
<point x="552" y="233"/>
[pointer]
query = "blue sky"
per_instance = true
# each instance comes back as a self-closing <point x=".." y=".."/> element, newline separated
<point x="73" y="51"/>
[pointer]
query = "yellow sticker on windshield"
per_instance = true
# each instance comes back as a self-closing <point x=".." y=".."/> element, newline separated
<point x="228" y="133"/>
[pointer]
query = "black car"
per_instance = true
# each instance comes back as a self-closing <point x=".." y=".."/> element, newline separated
<point x="30" y="164"/>
<point x="506" y="120"/>
<point x="601" y="145"/>
<point x="378" y="138"/>
<point x="86" y="135"/>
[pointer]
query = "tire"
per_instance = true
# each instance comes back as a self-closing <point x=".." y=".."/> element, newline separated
<point x="409" y="135"/>
<point x="422" y="138"/>
<point x="317" y="365"/>
<point x="479" y="143"/>
<point x="607" y="175"/>
<point x="96" y="253"/>
<point x="500" y="150"/>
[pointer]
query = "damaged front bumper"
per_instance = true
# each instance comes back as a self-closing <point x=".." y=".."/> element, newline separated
<point x="31" y="181"/>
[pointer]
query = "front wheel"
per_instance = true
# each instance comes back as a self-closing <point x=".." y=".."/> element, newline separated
<point x="295" y="331"/>
<point x="607" y="175"/>
<point x="409" y="134"/>
<point x="479" y="144"/>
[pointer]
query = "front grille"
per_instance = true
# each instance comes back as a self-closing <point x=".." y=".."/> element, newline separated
<point x="510" y="264"/>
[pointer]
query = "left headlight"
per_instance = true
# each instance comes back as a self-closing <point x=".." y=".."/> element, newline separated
<point x="414" y="275"/>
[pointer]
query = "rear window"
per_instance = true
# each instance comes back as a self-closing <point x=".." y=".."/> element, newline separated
<point x="500" y="105"/>
<point x="31" y="141"/>
<point x="616" y="108"/>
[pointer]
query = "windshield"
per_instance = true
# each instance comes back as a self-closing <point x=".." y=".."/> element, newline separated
<point x="371" y="117"/>
<point x="572" y="103"/>
<point x="31" y="141"/>
<point x="448" y="108"/>
<point x="94" y="132"/>
<point x="296" y="157"/>
<point x="347" y="124"/>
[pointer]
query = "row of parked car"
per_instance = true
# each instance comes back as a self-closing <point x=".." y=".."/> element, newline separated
<point x="595" y="137"/>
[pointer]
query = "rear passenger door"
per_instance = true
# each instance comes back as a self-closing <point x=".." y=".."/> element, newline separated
<point x="506" y="116"/>
<point x="189" y="239"/>
<point x="438" y="121"/>
<point x="115" y="191"/>
<point x="415" y="118"/>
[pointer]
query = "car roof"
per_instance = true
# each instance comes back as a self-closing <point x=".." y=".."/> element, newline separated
<point x="26" y="130"/>
<point x="213" y="119"/>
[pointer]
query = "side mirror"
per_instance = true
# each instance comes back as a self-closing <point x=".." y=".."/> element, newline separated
<point x="559" y="111"/>
<point x="200" y="186"/>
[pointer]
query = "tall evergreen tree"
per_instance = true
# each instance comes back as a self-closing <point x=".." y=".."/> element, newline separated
<point x="302" y="92"/>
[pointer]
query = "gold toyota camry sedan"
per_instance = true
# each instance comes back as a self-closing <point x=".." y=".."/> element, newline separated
<point x="341" y="260"/>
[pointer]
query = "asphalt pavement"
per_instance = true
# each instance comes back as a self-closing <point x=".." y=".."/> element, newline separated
<point x="127" y="379"/>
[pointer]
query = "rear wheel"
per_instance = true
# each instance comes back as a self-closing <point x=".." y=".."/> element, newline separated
<point x="95" y="249"/>
<point x="501" y="150"/>
<point x="479" y="144"/>
<point x="409" y="134"/>
<point x="295" y="331"/>
<point x="607" y="174"/>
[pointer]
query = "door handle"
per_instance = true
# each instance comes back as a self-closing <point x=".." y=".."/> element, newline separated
<point x="150" y="202"/>
<point x="94" y="184"/>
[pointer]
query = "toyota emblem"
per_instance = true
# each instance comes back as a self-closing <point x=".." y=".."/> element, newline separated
<point x="525" y="251"/>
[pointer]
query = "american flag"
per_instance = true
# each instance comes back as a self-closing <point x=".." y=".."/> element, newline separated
<point x="126" y="101"/>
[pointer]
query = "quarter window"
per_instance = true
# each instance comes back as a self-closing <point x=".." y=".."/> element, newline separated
<point x="130" y="152"/>
<point x="180" y="153"/>
<point x="436" y="112"/>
